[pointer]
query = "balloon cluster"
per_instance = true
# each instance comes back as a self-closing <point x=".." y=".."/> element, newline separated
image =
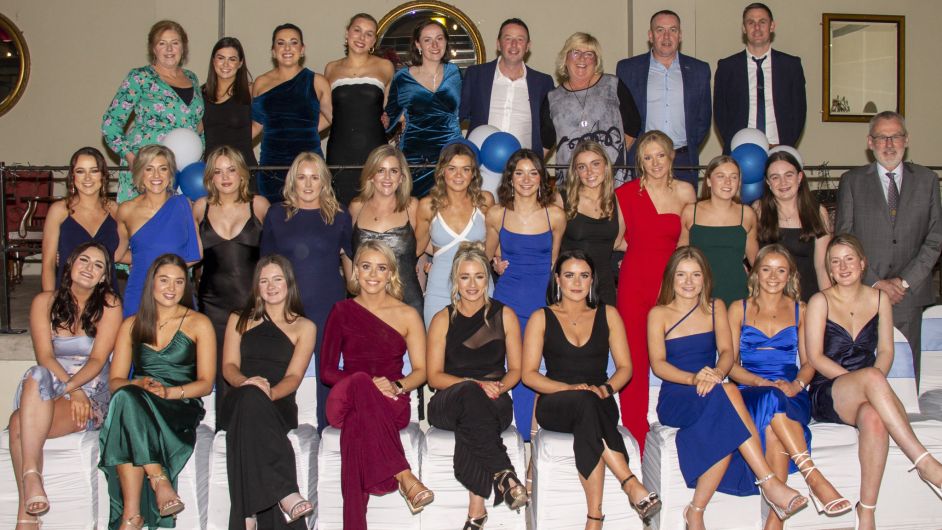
<point x="493" y="148"/>
<point x="750" y="148"/>
<point x="188" y="150"/>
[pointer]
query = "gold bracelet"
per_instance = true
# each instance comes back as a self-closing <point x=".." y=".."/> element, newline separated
<point x="800" y="382"/>
<point x="182" y="393"/>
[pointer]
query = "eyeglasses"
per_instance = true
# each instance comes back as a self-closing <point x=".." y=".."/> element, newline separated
<point x="895" y="139"/>
<point x="579" y="54"/>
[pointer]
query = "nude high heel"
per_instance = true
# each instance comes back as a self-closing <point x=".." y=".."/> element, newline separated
<point x="935" y="488"/>
<point x="689" y="507"/>
<point x="828" y="509"/>
<point x="796" y="504"/>
<point x="857" y="513"/>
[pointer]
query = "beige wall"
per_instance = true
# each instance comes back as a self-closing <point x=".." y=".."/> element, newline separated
<point x="82" y="50"/>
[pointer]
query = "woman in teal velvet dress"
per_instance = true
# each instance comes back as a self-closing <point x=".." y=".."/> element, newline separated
<point x="151" y="425"/>
<point x="427" y="94"/>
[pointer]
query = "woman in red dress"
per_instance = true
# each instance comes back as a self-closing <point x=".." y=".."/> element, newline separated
<point x="369" y="398"/>
<point x="651" y="207"/>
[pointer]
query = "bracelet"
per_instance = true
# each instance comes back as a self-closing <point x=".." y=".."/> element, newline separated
<point x="402" y="389"/>
<point x="608" y="387"/>
<point x="182" y="392"/>
<point x="800" y="382"/>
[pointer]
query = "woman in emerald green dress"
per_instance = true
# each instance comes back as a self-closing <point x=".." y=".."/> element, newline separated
<point x="151" y="425"/>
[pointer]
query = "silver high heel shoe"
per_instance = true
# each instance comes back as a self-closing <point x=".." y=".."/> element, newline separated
<point x="795" y="505"/>
<point x="935" y="488"/>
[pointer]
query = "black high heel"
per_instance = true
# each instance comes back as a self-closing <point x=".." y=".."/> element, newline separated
<point x="515" y="495"/>
<point x="647" y="506"/>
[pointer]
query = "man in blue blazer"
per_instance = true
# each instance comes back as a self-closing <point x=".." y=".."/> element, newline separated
<point x="671" y="91"/>
<point x="736" y="91"/>
<point x="506" y="93"/>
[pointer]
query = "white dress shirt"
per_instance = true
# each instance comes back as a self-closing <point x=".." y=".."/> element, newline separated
<point x="885" y="180"/>
<point x="510" y="106"/>
<point x="771" y="127"/>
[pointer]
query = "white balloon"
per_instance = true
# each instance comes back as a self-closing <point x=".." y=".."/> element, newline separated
<point x="480" y="133"/>
<point x="490" y="180"/>
<point x="749" y="136"/>
<point x="790" y="150"/>
<point x="185" y="144"/>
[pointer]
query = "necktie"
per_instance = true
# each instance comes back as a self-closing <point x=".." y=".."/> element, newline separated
<point x="760" y="94"/>
<point x="892" y="196"/>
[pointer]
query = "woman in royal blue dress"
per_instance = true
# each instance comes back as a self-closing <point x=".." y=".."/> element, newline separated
<point x="690" y="348"/>
<point x="770" y="379"/>
<point x="427" y="94"/>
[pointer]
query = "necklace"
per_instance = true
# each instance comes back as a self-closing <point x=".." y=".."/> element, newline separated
<point x="583" y="122"/>
<point x="160" y="325"/>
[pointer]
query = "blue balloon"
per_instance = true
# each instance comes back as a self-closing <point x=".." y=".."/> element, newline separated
<point x="496" y="150"/>
<point x="190" y="180"/>
<point x="751" y="158"/>
<point x="751" y="192"/>
<point x="469" y="143"/>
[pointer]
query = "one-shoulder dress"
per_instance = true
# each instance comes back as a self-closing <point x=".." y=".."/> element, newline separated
<point x="72" y="234"/>
<point x="371" y="452"/>
<point x="709" y="427"/>
<point x="401" y="240"/>
<point x="356" y="129"/>
<point x="772" y="358"/>
<point x="142" y="428"/>
<point x="170" y="231"/>
<point x="446" y="242"/>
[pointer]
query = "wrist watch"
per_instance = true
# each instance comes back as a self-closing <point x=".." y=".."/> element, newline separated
<point x="905" y="284"/>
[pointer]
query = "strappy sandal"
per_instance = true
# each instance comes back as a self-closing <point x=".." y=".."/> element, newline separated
<point x="935" y="488"/>
<point x="472" y="524"/>
<point x="795" y="504"/>
<point x="689" y="507"/>
<point x="857" y="513"/>
<point x="515" y="496"/>
<point x="171" y="507"/>
<point x="420" y="500"/>
<point x="828" y="509"/>
<point x="297" y="511"/>
<point x="599" y="519"/>
<point x="42" y="500"/>
<point x="130" y="522"/>
<point x="647" y="506"/>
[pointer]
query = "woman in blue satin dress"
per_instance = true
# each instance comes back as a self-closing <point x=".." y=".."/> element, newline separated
<point x="770" y="380"/>
<point x="690" y="348"/>
<point x="427" y="94"/>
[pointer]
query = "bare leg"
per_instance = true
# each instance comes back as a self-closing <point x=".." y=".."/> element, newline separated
<point x="619" y="465"/>
<point x="775" y="455"/>
<point x="476" y="508"/>
<point x="163" y="489"/>
<point x="872" y="447"/>
<point x="415" y="492"/>
<point x="706" y="487"/>
<point x="593" y="487"/>
<point x="131" y="479"/>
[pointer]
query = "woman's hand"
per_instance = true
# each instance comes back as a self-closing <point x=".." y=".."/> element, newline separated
<point x="81" y="407"/>
<point x="499" y="265"/>
<point x="789" y="388"/>
<point x="491" y="388"/>
<point x="155" y="387"/>
<point x="384" y="119"/>
<point x="705" y="380"/>
<point x="386" y="387"/>
<point x="259" y="382"/>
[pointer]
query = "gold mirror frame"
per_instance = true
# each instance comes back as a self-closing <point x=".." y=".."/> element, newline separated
<point x="828" y="100"/>
<point x="447" y="9"/>
<point x="20" y="85"/>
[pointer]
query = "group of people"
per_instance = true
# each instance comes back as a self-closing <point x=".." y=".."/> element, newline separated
<point x="512" y="307"/>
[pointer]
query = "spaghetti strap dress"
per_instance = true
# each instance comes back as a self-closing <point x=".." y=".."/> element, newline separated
<point x="522" y="287"/>
<point x="597" y="238"/>
<point x="709" y="428"/>
<point x="259" y="458"/>
<point x="475" y="348"/>
<point x="401" y="240"/>
<point x="725" y="249"/>
<point x="142" y="428"/>
<point x="852" y="353"/>
<point x="772" y="358"/>
<point x="72" y="234"/>
<point x="580" y="412"/>
<point x="446" y="242"/>
<point x="651" y="238"/>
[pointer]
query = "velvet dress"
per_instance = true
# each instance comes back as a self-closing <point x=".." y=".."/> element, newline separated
<point x="371" y="452"/>
<point x="72" y="234"/>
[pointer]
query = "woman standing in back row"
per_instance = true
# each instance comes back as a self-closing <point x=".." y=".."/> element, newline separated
<point x="228" y="95"/>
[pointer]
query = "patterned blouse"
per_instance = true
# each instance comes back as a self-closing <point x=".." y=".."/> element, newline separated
<point x="157" y="110"/>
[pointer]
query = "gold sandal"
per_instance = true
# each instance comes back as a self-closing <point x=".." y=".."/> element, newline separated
<point x="171" y="507"/>
<point x="36" y="499"/>
<point x="515" y="496"/>
<point x="420" y="500"/>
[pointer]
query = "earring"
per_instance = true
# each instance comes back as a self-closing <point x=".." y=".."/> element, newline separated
<point x="558" y="294"/>
<point x="511" y="192"/>
<point x="420" y="52"/>
<point x="539" y="194"/>
<point x="589" y="298"/>
<point x="372" y="49"/>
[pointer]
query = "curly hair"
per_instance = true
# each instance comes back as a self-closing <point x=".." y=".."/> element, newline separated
<point x="64" y="310"/>
<point x="505" y="192"/>
<point x="792" y="284"/>
<point x="71" y="197"/>
<point x="439" y="192"/>
<point x="235" y="157"/>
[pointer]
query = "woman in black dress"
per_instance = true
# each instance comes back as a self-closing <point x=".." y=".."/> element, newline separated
<point x="575" y="394"/>
<point x="850" y="385"/>
<point x="268" y="347"/>
<point x="228" y="116"/>
<point x="594" y="222"/>
<point x="469" y="343"/>
<point x="230" y="225"/>
<point x="789" y="214"/>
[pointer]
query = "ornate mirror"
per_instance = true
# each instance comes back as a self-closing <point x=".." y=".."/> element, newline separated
<point x="395" y="33"/>
<point x="14" y="64"/>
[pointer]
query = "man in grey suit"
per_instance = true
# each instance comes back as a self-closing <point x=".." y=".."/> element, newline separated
<point x="894" y="209"/>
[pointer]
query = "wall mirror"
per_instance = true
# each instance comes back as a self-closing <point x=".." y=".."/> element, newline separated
<point x="394" y="34"/>
<point x="864" y="66"/>
<point x="14" y="64"/>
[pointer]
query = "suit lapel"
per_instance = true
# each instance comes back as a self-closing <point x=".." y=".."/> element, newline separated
<point x="907" y="193"/>
<point x="485" y="86"/>
<point x="642" y="103"/>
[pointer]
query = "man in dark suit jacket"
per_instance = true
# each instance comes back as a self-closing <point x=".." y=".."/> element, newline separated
<point x="736" y="91"/>
<point x="506" y="78"/>
<point x="901" y="244"/>
<point x="652" y="78"/>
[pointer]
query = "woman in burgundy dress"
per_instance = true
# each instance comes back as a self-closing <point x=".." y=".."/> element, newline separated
<point x="369" y="398"/>
<point x="651" y="207"/>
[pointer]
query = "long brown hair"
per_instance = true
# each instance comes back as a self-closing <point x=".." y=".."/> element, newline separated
<point x="234" y="156"/>
<point x="240" y="92"/>
<point x="255" y="306"/>
<point x="439" y="193"/>
<point x="329" y="205"/>
<point x="64" y="310"/>
<point x="144" y="330"/>
<point x="505" y="192"/>
<point x="792" y="284"/>
<point x="809" y="210"/>
<point x="71" y="197"/>
<point x="667" y="294"/>
<point x="574" y="183"/>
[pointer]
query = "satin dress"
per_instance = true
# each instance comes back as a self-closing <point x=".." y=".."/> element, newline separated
<point x="401" y="240"/>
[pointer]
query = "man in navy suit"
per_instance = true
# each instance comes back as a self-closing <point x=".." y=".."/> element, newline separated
<point x="778" y="104"/>
<point x="671" y="91"/>
<point x="506" y="93"/>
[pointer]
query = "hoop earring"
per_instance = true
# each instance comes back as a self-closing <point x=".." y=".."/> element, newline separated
<point x="372" y="49"/>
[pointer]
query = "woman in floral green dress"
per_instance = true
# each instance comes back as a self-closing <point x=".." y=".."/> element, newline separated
<point x="162" y="96"/>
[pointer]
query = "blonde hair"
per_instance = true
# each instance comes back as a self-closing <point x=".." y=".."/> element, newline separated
<point x="371" y="167"/>
<point x="654" y="137"/>
<point x="469" y="251"/>
<point x="792" y="284"/>
<point x="578" y="39"/>
<point x="439" y="192"/>
<point x="848" y="240"/>
<point x="145" y="156"/>
<point x="394" y="285"/>
<point x="574" y="183"/>
<point x="234" y="156"/>
<point x="667" y="293"/>
<point x="329" y="205"/>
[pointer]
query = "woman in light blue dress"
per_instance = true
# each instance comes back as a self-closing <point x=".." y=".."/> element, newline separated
<point x="73" y="330"/>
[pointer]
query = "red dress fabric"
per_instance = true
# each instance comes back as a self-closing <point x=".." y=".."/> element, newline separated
<point x="651" y="238"/>
<point x="371" y="452"/>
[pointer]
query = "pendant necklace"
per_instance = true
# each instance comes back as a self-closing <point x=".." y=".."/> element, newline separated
<point x="583" y="122"/>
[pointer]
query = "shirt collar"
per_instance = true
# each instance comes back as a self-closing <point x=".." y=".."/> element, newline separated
<point x="897" y="171"/>
<point x="764" y="55"/>
<point x="675" y="64"/>
<point x="500" y="75"/>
